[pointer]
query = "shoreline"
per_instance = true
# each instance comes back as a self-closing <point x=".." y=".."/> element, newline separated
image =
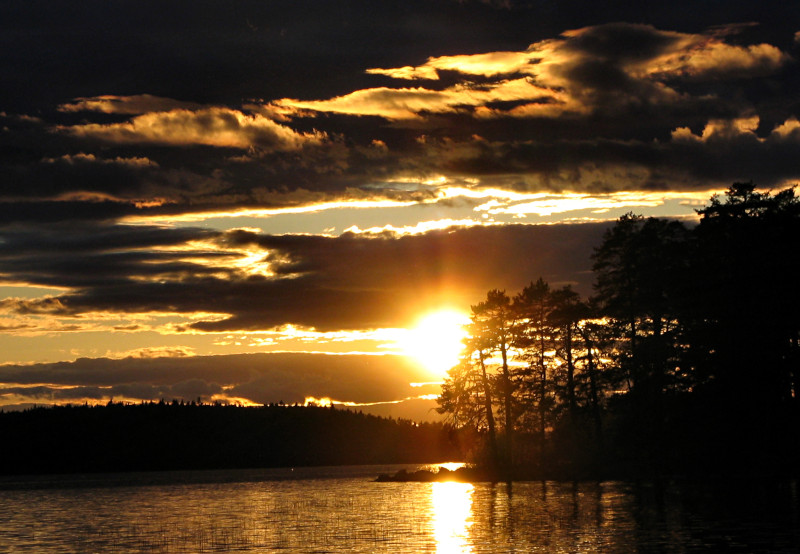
<point x="474" y="474"/>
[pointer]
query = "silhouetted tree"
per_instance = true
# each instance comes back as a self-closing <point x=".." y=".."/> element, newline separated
<point x="687" y="355"/>
<point x="467" y="393"/>
<point x="493" y="322"/>
<point x="592" y="333"/>
<point x="639" y="268"/>
<point x="747" y="300"/>
<point x="534" y="336"/>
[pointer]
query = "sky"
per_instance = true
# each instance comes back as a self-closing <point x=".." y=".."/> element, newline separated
<point x="258" y="201"/>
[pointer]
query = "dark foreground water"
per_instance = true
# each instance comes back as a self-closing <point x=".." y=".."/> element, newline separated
<point x="343" y="510"/>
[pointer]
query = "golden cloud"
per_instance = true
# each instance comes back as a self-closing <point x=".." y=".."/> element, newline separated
<point x="489" y="64"/>
<point x="710" y="57"/>
<point x="82" y="158"/>
<point x="722" y="129"/>
<point x="157" y="352"/>
<point x="408" y="103"/>
<point x="789" y="128"/>
<point x="556" y="76"/>
<point x="213" y="126"/>
<point x="136" y="104"/>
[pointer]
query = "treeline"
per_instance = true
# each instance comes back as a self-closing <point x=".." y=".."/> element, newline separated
<point x="171" y="436"/>
<point x="685" y="359"/>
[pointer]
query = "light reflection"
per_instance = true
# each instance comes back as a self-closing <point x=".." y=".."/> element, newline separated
<point x="452" y="516"/>
<point x="452" y="466"/>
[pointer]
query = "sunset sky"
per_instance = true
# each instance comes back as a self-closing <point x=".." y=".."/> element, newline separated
<point x="260" y="201"/>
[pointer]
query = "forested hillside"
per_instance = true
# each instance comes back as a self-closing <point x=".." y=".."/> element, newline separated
<point x="166" y="436"/>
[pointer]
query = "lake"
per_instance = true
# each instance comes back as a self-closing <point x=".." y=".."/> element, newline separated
<point x="341" y="509"/>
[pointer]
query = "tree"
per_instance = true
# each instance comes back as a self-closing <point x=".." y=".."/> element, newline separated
<point x="493" y="324"/>
<point x="568" y="311"/>
<point x="467" y="394"/>
<point x="686" y="357"/>
<point x="592" y="334"/>
<point x="747" y="302"/>
<point x="640" y="271"/>
<point x="534" y="336"/>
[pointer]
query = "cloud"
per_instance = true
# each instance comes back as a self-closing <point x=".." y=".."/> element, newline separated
<point x="489" y="64"/>
<point x="585" y="70"/>
<point x="385" y="102"/>
<point x="39" y="306"/>
<point x="788" y="129"/>
<point x="129" y="105"/>
<point x="82" y="158"/>
<point x="158" y="351"/>
<point x="411" y="103"/>
<point x="214" y="126"/>
<point x="257" y="378"/>
<point x="707" y="57"/>
<point x="354" y="281"/>
<point x="590" y="109"/>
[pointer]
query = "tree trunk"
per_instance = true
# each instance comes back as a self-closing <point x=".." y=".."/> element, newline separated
<point x="542" y="389"/>
<point x="507" y="404"/>
<point x="596" y="415"/>
<point x="487" y="403"/>
<point x="633" y="381"/>
<point x="570" y="374"/>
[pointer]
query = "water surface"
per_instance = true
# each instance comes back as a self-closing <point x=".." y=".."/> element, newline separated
<point x="343" y="510"/>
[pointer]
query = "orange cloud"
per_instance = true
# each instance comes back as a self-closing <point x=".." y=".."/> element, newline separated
<point x="489" y="64"/>
<point x="82" y="158"/>
<point x="136" y="104"/>
<point x="789" y="128"/>
<point x="574" y="73"/>
<point x="214" y="126"/>
<point x="386" y="102"/>
<point x="409" y="103"/>
<point x="721" y="129"/>
<point x="707" y="55"/>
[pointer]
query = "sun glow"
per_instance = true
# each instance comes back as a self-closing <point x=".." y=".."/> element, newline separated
<point x="436" y="340"/>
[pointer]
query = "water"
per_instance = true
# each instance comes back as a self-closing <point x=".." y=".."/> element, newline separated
<point x="343" y="510"/>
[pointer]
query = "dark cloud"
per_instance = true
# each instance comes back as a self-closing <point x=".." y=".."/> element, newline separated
<point x="258" y="378"/>
<point x="102" y="257"/>
<point x="684" y="161"/>
<point x="160" y="102"/>
<point x="351" y="281"/>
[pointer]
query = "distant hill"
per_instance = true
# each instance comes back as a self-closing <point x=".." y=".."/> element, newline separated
<point x="170" y="436"/>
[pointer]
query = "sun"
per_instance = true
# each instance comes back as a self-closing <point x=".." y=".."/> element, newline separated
<point x="437" y="339"/>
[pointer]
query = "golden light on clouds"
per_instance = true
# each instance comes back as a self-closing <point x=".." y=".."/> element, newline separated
<point x="408" y="103"/>
<point x="213" y="126"/>
<point x="131" y="105"/>
<point x="727" y="129"/>
<point x="326" y="402"/>
<point x="420" y="228"/>
<point x="488" y="64"/>
<point x="548" y="204"/>
<point x="313" y="207"/>
<point x="544" y="76"/>
<point x="442" y="191"/>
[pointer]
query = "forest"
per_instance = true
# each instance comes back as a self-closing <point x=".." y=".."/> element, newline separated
<point x="177" y="435"/>
<point x="684" y="361"/>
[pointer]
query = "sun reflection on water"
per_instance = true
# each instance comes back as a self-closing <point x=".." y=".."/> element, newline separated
<point x="452" y="516"/>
